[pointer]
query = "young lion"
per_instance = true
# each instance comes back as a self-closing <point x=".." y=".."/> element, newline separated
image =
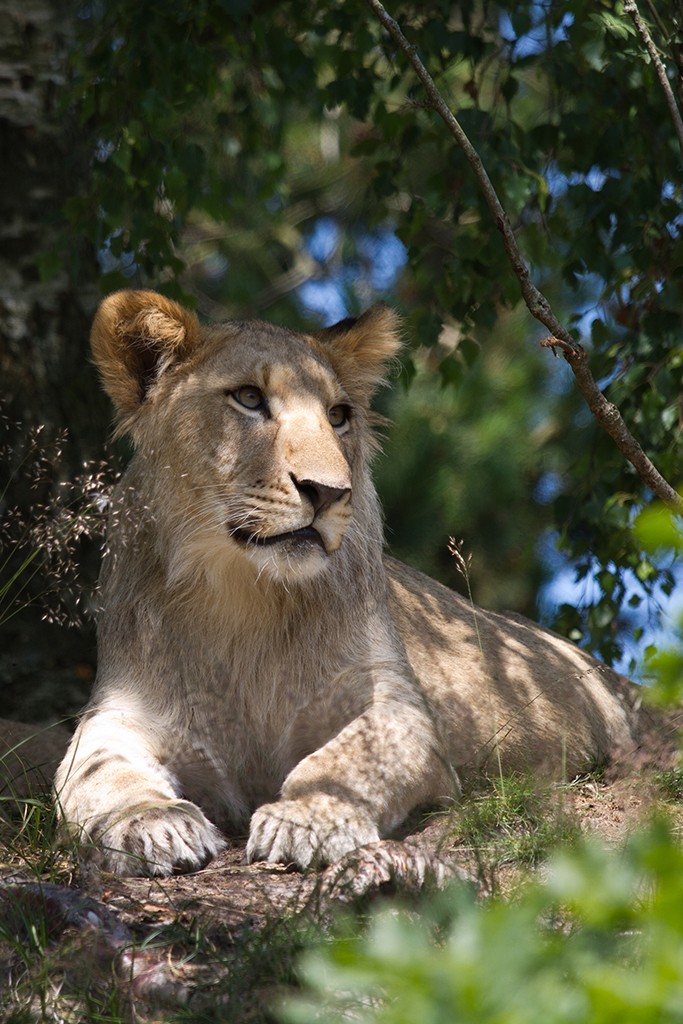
<point x="256" y="654"/>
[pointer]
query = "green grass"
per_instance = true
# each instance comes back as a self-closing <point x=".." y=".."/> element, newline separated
<point x="513" y="819"/>
<point x="28" y="834"/>
<point x="670" y="781"/>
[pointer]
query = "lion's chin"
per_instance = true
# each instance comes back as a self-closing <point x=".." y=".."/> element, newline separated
<point x="295" y="555"/>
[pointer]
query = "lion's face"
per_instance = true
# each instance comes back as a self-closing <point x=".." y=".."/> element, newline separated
<point x="255" y="437"/>
<point x="275" y="480"/>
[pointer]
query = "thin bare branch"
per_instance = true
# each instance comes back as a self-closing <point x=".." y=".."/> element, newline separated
<point x="631" y="8"/>
<point x="605" y="412"/>
<point x="660" y="23"/>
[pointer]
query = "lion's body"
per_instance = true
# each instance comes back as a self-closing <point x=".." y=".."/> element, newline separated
<point x="500" y="683"/>
<point x="252" y="651"/>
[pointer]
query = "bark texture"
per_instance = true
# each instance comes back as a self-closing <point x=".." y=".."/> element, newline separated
<point x="46" y="376"/>
<point x="45" y="373"/>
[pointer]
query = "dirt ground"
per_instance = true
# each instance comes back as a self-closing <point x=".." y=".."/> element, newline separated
<point x="139" y="928"/>
<point x="630" y="789"/>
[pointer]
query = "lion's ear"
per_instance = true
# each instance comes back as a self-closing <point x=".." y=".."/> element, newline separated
<point x="135" y="336"/>
<point x="359" y="349"/>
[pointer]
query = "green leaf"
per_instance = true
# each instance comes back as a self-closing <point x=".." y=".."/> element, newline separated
<point x="621" y="28"/>
<point x="657" y="527"/>
<point x="121" y="157"/>
<point x="49" y="265"/>
<point x="450" y="370"/>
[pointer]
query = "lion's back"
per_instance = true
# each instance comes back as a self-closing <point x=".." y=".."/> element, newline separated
<point x="489" y="675"/>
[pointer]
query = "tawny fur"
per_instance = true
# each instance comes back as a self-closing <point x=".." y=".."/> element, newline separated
<point x="302" y="683"/>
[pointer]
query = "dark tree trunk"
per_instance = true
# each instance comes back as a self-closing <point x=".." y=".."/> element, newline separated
<point x="43" y="325"/>
<point x="45" y="374"/>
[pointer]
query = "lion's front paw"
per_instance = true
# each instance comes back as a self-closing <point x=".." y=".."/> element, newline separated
<point x="313" y="830"/>
<point x="156" y="840"/>
<point x="390" y="864"/>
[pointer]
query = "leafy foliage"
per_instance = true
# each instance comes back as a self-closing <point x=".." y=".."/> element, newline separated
<point x="659" y="532"/>
<point x="484" y="462"/>
<point x="599" y="941"/>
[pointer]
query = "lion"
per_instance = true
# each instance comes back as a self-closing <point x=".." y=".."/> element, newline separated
<point x="260" y="660"/>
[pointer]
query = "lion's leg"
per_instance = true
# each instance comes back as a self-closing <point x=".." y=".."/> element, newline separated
<point x="359" y="785"/>
<point x="116" y="797"/>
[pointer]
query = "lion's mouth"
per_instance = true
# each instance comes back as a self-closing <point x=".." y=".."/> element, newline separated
<point x="307" y="534"/>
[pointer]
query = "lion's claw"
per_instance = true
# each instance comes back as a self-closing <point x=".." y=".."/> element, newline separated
<point x="157" y="840"/>
<point x="315" y="830"/>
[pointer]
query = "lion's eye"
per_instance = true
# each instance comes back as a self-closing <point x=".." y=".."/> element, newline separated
<point x="249" y="397"/>
<point x="338" y="415"/>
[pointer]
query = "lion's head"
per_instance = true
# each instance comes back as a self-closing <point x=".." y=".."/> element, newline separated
<point x="254" y="439"/>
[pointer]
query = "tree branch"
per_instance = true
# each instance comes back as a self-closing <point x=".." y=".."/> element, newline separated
<point x="631" y="8"/>
<point x="605" y="412"/>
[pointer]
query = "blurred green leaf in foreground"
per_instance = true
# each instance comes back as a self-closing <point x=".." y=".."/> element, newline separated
<point x="600" y="941"/>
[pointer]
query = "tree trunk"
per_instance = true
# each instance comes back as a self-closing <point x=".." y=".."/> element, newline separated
<point x="45" y="374"/>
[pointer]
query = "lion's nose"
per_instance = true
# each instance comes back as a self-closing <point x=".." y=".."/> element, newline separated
<point x="321" y="496"/>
